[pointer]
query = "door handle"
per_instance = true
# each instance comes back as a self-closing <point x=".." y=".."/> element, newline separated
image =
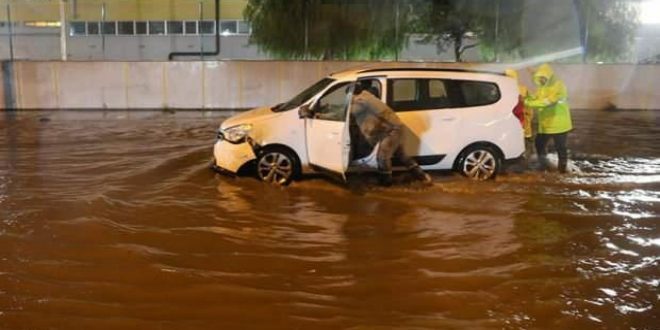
<point x="449" y="119"/>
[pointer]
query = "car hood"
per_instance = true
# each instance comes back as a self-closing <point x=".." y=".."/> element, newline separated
<point x="249" y="117"/>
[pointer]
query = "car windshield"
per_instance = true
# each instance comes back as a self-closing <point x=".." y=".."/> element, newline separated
<point x="304" y="96"/>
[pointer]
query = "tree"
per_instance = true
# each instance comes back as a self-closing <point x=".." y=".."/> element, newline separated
<point x="328" y="29"/>
<point x="459" y="24"/>
<point x="503" y="30"/>
<point x="607" y="28"/>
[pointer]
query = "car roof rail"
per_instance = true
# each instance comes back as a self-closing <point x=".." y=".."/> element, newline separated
<point x="431" y="70"/>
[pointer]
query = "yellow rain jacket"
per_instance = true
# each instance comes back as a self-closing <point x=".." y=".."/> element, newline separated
<point x="551" y="100"/>
<point x="527" y="111"/>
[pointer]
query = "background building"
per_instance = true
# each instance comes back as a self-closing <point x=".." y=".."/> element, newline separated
<point x="154" y="29"/>
<point x="123" y="29"/>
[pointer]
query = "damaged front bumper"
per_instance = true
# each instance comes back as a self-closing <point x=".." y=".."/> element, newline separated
<point x="229" y="157"/>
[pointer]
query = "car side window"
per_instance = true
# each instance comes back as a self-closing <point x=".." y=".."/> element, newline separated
<point x="438" y="97"/>
<point x="476" y="93"/>
<point x="332" y="105"/>
<point x="372" y="85"/>
<point x="432" y="94"/>
<point x="418" y="94"/>
<point x="405" y="90"/>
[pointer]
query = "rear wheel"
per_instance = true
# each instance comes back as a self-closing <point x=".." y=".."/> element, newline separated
<point x="480" y="163"/>
<point x="277" y="166"/>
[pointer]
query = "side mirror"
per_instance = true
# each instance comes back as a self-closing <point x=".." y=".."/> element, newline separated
<point x="305" y="111"/>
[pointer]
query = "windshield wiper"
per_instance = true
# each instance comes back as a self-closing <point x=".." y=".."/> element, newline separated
<point x="277" y="107"/>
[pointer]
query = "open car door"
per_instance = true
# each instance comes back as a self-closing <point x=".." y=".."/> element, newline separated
<point x="327" y="131"/>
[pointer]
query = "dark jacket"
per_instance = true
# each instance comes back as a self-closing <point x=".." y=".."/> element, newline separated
<point x="375" y="119"/>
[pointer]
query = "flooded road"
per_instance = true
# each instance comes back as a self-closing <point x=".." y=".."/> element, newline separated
<point x="112" y="220"/>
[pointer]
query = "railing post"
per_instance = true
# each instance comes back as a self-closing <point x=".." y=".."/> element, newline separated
<point x="102" y="29"/>
<point x="11" y="33"/>
<point x="199" y="30"/>
<point x="497" y="29"/>
<point x="7" y="74"/>
<point x="396" y="31"/>
<point x="63" y="39"/>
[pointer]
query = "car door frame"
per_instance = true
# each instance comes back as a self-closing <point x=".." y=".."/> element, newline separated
<point x="325" y="158"/>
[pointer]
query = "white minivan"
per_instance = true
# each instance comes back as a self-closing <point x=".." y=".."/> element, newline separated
<point x="469" y="121"/>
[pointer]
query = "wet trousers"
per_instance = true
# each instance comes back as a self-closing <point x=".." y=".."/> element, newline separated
<point x="560" y="140"/>
<point x="390" y="147"/>
<point x="529" y="150"/>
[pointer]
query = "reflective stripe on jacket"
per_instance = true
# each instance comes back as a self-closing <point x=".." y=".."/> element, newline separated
<point x="528" y="113"/>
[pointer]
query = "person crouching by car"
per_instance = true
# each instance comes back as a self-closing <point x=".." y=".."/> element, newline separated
<point x="380" y="124"/>
<point x="551" y="102"/>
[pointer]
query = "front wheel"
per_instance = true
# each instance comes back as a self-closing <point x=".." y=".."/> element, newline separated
<point x="277" y="166"/>
<point x="480" y="163"/>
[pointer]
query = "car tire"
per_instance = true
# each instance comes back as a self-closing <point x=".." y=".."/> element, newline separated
<point x="480" y="162"/>
<point x="277" y="166"/>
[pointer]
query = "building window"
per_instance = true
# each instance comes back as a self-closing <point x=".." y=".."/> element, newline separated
<point x="140" y="28"/>
<point x="77" y="29"/>
<point x="92" y="28"/>
<point x="174" y="27"/>
<point x="156" y="27"/>
<point x="190" y="27"/>
<point x="207" y="27"/>
<point x="228" y="27"/>
<point x="243" y="27"/>
<point x="109" y="28"/>
<point x="126" y="28"/>
<point x="42" y="24"/>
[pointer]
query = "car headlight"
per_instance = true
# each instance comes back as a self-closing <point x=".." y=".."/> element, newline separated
<point x="236" y="134"/>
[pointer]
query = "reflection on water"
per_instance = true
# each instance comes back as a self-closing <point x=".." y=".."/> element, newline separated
<point x="113" y="220"/>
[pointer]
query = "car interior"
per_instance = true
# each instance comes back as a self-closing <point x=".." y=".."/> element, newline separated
<point x="360" y="147"/>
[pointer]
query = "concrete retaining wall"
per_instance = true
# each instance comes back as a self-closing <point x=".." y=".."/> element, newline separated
<point x="2" y="86"/>
<point x="245" y="84"/>
<point x="6" y="84"/>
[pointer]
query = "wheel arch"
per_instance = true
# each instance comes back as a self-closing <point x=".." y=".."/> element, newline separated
<point x="491" y="145"/>
<point x="279" y="146"/>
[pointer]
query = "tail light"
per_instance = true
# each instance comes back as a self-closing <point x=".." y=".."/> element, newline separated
<point x="519" y="111"/>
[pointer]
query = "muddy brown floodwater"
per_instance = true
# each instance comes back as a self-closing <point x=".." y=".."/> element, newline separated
<point x="112" y="220"/>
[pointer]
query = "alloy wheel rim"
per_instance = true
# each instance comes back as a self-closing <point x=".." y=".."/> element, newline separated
<point x="479" y="165"/>
<point x="275" y="167"/>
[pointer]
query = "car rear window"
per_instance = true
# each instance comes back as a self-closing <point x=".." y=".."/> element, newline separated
<point x="411" y="94"/>
<point x="477" y="93"/>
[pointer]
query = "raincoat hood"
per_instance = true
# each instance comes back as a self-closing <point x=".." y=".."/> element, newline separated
<point x="544" y="71"/>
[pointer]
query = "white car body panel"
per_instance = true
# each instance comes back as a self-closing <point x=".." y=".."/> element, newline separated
<point x="446" y="131"/>
<point x="239" y="154"/>
<point x="327" y="139"/>
<point x="268" y="128"/>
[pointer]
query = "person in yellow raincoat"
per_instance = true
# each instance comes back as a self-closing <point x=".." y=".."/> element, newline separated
<point x="554" y="115"/>
<point x="528" y="118"/>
